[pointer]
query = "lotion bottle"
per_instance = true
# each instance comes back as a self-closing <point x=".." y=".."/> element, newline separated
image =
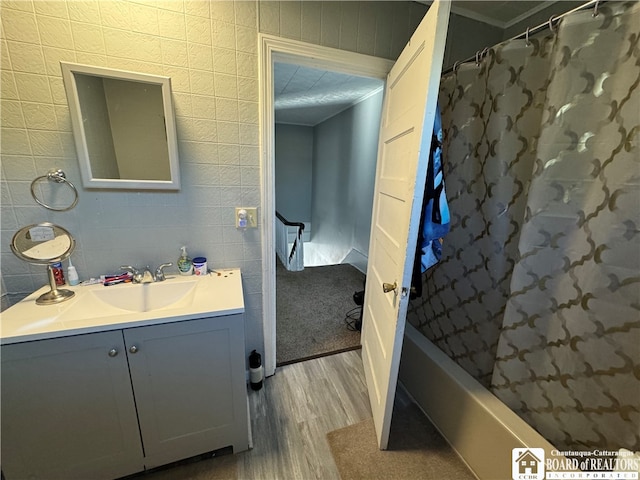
<point x="185" y="265"/>
<point x="72" y="274"/>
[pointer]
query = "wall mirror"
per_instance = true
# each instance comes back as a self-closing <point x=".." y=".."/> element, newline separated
<point x="124" y="128"/>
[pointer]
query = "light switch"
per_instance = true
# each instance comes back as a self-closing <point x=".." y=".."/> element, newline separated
<point x="246" y="217"/>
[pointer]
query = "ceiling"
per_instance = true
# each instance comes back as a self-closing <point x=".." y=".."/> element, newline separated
<point x="308" y="96"/>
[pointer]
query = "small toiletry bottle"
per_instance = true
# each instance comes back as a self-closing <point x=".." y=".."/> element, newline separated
<point x="256" y="371"/>
<point x="200" y="266"/>
<point x="72" y="274"/>
<point x="58" y="273"/>
<point x="185" y="265"/>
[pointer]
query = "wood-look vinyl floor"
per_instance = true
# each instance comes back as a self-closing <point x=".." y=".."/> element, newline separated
<point x="293" y="412"/>
<point x="290" y="418"/>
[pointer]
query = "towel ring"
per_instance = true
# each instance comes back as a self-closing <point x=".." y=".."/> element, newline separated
<point x="57" y="176"/>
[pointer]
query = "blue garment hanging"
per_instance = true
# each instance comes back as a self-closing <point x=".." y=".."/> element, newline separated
<point x="435" y="215"/>
<point x="435" y="218"/>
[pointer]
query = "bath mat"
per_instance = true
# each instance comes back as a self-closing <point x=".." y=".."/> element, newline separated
<point x="416" y="450"/>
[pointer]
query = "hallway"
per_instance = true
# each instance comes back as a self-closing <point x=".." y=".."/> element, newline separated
<point x="311" y="306"/>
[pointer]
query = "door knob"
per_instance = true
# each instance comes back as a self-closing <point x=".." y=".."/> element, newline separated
<point x="133" y="349"/>
<point x="390" y="287"/>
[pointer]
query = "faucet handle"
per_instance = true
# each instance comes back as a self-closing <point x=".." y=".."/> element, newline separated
<point x="137" y="274"/>
<point x="159" y="277"/>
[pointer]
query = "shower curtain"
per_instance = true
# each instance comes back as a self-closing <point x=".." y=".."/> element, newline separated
<point x="537" y="294"/>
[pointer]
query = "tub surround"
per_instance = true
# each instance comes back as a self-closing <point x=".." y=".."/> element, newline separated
<point x="478" y="426"/>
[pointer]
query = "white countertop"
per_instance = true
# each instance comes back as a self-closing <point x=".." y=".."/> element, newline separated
<point x="216" y="294"/>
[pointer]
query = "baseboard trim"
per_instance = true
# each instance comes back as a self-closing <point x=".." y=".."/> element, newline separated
<point x="356" y="259"/>
<point x="319" y="355"/>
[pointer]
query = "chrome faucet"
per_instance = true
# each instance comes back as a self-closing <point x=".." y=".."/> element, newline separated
<point x="137" y="274"/>
<point x="159" y="276"/>
<point x="145" y="276"/>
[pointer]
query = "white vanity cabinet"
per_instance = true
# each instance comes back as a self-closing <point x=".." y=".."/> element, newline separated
<point x="108" y="404"/>
<point x="189" y="384"/>
<point x="68" y="409"/>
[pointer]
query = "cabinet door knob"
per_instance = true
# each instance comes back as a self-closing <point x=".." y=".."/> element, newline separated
<point x="133" y="349"/>
<point x="113" y="352"/>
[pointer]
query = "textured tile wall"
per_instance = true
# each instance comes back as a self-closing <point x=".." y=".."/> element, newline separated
<point x="381" y="29"/>
<point x="209" y="49"/>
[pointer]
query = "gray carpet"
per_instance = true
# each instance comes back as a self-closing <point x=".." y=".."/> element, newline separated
<point x="310" y="311"/>
<point x="416" y="449"/>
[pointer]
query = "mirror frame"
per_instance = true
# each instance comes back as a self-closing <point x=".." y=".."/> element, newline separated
<point x="88" y="180"/>
<point x="19" y="251"/>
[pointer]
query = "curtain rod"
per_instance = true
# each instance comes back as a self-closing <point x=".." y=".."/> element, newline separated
<point x="530" y="31"/>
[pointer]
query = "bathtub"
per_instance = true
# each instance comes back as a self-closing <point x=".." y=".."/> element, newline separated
<point x="479" y="427"/>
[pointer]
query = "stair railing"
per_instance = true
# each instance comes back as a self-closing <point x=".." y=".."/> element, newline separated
<point x="291" y="257"/>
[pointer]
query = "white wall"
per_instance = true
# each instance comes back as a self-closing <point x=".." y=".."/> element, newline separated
<point x="209" y="49"/>
<point x="541" y="17"/>
<point x="466" y="36"/>
<point x="344" y="161"/>
<point x="293" y="165"/>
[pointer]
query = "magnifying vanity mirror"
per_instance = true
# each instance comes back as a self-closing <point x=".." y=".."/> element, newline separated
<point x="45" y="244"/>
<point x="124" y="128"/>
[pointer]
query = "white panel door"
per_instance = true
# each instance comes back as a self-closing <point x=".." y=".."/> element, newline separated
<point x="403" y="154"/>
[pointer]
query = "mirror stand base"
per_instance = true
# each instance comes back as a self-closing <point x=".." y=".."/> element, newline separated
<point x="54" y="296"/>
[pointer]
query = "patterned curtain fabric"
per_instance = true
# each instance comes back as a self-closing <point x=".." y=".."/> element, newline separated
<point x="491" y="117"/>
<point x="568" y="358"/>
<point x="538" y="291"/>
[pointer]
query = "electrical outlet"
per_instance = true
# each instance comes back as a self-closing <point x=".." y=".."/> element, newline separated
<point x="246" y="217"/>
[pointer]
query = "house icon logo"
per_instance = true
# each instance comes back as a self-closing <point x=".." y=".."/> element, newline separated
<point x="527" y="463"/>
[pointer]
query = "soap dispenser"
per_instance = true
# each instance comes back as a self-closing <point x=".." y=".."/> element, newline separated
<point x="185" y="265"/>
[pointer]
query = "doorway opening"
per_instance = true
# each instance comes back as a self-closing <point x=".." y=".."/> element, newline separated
<point x="326" y="142"/>
<point x="275" y="51"/>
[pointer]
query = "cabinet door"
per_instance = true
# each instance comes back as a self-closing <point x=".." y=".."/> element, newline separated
<point x="68" y="409"/>
<point x="189" y="384"/>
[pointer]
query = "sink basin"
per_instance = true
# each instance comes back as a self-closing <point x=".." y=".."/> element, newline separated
<point x="96" y="308"/>
<point x="146" y="297"/>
